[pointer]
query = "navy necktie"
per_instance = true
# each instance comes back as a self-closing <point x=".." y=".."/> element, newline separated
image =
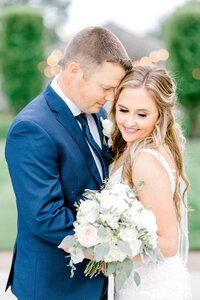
<point x="95" y="147"/>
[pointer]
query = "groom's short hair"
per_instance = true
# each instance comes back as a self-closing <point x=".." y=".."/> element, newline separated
<point x="94" y="45"/>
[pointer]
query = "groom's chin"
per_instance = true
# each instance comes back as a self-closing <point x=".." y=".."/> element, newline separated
<point x="93" y="110"/>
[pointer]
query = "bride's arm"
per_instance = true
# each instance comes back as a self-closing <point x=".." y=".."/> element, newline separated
<point x="156" y="194"/>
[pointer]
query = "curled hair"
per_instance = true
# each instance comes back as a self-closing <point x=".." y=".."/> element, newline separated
<point x="161" y="87"/>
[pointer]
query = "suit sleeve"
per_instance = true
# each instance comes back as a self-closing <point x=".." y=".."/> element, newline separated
<point x="32" y="159"/>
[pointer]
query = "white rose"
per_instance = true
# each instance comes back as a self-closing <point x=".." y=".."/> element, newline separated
<point x="110" y="220"/>
<point x="153" y="240"/>
<point x="133" y="216"/>
<point x="148" y="221"/>
<point x="137" y="205"/>
<point x="115" y="254"/>
<point x="88" y="211"/>
<point x="87" y="235"/>
<point x="121" y="189"/>
<point x="107" y="127"/>
<point x="128" y="234"/>
<point x="135" y="247"/>
<point x="107" y="201"/>
<point x="86" y="205"/>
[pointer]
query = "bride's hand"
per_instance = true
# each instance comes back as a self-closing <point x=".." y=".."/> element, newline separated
<point x="65" y="249"/>
<point x="85" y="253"/>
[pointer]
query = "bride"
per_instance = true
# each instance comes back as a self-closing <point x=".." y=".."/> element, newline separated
<point x="148" y="146"/>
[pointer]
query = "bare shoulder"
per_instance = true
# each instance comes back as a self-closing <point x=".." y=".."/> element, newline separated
<point x="147" y="167"/>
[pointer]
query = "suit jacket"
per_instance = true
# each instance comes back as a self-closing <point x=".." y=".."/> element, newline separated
<point x="50" y="165"/>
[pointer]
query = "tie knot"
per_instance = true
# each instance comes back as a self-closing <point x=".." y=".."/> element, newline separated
<point x="81" y="117"/>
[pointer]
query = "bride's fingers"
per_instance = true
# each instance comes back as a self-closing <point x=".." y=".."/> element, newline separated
<point x="65" y="249"/>
<point x="85" y="253"/>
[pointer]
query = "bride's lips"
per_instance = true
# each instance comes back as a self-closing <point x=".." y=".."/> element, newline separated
<point x="130" y="130"/>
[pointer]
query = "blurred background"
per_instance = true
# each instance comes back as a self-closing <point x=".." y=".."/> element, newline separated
<point x="33" y="36"/>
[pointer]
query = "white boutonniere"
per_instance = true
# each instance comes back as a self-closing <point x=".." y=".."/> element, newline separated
<point x="107" y="129"/>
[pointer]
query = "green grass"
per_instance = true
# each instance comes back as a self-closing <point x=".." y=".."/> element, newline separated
<point x="192" y="164"/>
<point x="8" y="215"/>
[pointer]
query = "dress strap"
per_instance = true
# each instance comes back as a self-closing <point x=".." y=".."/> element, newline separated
<point x="165" y="164"/>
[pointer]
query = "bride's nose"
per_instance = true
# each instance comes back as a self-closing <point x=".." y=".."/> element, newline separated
<point x="130" y="121"/>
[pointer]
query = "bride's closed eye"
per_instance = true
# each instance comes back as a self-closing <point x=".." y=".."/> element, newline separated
<point x="123" y="110"/>
<point x="142" y="115"/>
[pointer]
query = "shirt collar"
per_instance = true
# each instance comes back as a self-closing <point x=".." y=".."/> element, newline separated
<point x="72" y="106"/>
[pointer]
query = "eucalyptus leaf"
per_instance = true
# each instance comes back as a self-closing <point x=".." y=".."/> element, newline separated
<point x="111" y="268"/>
<point x="101" y="251"/>
<point x="149" y="255"/>
<point x="101" y="231"/>
<point x="137" y="278"/>
<point x="68" y="242"/>
<point x="120" y="280"/>
<point x="90" y="252"/>
<point x="124" y="247"/>
<point x="128" y="266"/>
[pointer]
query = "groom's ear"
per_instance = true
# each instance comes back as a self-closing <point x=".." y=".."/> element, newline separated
<point x="74" y="70"/>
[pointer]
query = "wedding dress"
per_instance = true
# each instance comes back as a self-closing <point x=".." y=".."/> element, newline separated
<point x="169" y="279"/>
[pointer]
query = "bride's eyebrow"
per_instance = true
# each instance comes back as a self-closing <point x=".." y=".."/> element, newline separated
<point x="143" y="109"/>
<point x="120" y="105"/>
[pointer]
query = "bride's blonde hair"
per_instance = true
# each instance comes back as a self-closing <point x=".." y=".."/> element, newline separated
<point x="161" y="87"/>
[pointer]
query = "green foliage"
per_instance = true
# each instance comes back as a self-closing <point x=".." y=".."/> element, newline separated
<point x="181" y="34"/>
<point x="21" y="50"/>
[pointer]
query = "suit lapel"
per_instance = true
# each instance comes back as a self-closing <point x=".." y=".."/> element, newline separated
<point x="66" y="118"/>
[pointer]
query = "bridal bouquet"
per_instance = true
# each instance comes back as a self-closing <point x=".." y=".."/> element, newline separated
<point x="112" y="226"/>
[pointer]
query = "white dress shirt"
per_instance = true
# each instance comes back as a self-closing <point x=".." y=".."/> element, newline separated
<point x="91" y="122"/>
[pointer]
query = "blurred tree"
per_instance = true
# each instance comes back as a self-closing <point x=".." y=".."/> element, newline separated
<point x="182" y="36"/>
<point x="55" y="13"/>
<point x="21" y="49"/>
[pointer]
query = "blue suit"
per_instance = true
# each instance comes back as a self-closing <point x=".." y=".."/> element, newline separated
<point x="50" y="165"/>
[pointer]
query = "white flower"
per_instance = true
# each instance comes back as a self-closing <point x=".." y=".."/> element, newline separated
<point x="115" y="254"/>
<point x="86" y="206"/>
<point x="137" y="205"/>
<point x="153" y="240"/>
<point x="87" y="235"/>
<point x="77" y="255"/>
<point x="135" y="247"/>
<point x="128" y="234"/>
<point x="133" y="216"/>
<point x="110" y="220"/>
<point x="148" y="221"/>
<point x="114" y="198"/>
<point x="107" y="127"/>
<point x="88" y="211"/>
<point x="108" y="202"/>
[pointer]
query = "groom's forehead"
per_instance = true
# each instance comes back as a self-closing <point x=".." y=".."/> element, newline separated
<point x="109" y="74"/>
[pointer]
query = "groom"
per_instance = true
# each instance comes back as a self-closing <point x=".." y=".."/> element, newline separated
<point x="55" y="151"/>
